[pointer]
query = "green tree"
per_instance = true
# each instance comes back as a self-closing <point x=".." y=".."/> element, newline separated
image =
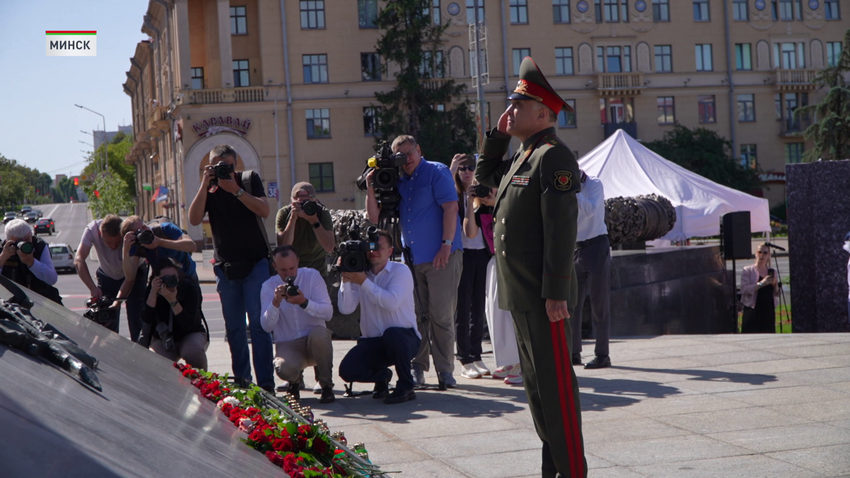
<point x="831" y="131"/>
<point x="411" y="41"/>
<point x="708" y="154"/>
<point x="119" y="190"/>
<point x="107" y="195"/>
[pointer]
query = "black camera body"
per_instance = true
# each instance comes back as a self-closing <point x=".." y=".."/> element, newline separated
<point x="481" y="191"/>
<point x="386" y="165"/>
<point x="223" y="170"/>
<point x="144" y="236"/>
<point x="97" y="310"/>
<point x="354" y="254"/>
<point x="310" y="207"/>
<point x="291" y="288"/>
<point x="169" y="281"/>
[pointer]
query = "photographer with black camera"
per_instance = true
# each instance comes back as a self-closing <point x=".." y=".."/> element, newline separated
<point x="307" y="226"/>
<point x="430" y="227"/>
<point x="164" y="239"/>
<point x="236" y="204"/>
<point x="296" y="308"/>
<point x="389" y="337"/>
<point x="26" y="260"/>
<point x="173" y="309"/>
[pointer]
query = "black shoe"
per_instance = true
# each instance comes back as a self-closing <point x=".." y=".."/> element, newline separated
<point x="327" y="395"/>
<point x="399" y="396"/>
<point x="599" y="362"/>
<point x="295" y="390"/>
<point x="382" y="388"/>
<point x="577" y="359"/>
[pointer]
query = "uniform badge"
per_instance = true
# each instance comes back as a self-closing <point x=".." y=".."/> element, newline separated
<point x="521" y="181"/>
<point x="563" y="180"/>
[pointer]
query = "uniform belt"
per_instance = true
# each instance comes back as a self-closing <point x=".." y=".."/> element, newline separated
<point x="592" y="240"/>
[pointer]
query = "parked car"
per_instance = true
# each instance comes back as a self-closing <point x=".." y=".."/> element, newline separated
<point x="31" y="217"/>
<point x="45" y="225"/>
<point x="9" y="216"/>
<point x="63" y="257"/>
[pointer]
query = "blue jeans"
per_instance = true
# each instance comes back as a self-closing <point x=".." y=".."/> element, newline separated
<point x="239" y="297"/>
<point x="368" y="361"/>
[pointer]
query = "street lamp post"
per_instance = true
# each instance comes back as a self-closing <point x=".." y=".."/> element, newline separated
<point x="105" y="142"/>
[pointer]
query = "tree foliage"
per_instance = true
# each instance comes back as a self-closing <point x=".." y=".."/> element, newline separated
<point x="116" y="186"/>
<point x="20" y="184"/>
<point x="708" y="154"/>
<point x="831" y="131"/>
<point x="412" y="42"/>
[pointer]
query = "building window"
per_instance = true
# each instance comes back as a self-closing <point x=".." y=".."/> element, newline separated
<point x="518" y="55"/>
<point x="567" y="119"/>
<point x="563" y="61"/>
<point x="793" y="121"/>
<point x="663" y="58"/>
<point x="367" y="12"/>
<point x="315" y="68"/>
<point x="197" y="78"/>
<point x="312" y="15"/>
<point x="661" y="10"/>
<point x="612" y="11"/>
<point x="370" y="67"/>
<point x="739" y="10"/>
<point x="793" y="153"/>
<point x="614" y="59"/>
<point x="432" y="66"/>
<point x="833" y="53"/>
<point x="701" y="11"/>
<point x="706" y="109"/>
<point x="322" y="177"/>
<point x="473" y="6"/>
<point x="831" y="8"/>
<point x="238" y="21"/>
<point x="789" y="56"/>
<point x="746" y="108"/>
<point x="240" y="73"/>
<point x="743" y="59"/>
<point x="777" y="104"/>
<point x="666" y="110"/>
<point x="786" y="10"/>
<point x="561" y="11"/>
<point x="434" y="11"/>
<point x="519" y="11"/>
<point x="371" y="120"/>
<point x="318" y="123"/>
<point x="748" y="156"/>
<point x="703" y="56"/>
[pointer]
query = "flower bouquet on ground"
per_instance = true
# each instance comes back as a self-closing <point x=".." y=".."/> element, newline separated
<point x="283" y="430"/>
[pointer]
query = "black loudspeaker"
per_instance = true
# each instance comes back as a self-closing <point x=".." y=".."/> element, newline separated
<point x="735" y="234"/>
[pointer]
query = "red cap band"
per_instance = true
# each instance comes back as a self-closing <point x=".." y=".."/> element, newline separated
<point x="541" y="94"/>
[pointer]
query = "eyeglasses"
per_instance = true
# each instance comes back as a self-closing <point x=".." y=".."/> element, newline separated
<point x="466" y="168"/>
<point x="410" y="153"/>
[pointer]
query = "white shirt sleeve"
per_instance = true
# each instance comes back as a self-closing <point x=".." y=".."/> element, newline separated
<point x="42" y="267"/>
<point x="400" y="285"/>
<point x="319" y="304"/>
<point x="271" y="314"/>
<point x="348" y="297"/>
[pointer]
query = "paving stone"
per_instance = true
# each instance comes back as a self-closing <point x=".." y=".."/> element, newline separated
<point x="796" y="437"/>
<point x="729" y="420"/>
<point x="828" y="460"/>
<point x="784" y="395"/>
<point x="738" y="466"/>
<point x="664" y="450"/>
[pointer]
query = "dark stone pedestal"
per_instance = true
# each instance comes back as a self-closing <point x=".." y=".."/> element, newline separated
<point x="670" y="290"/>
<point x="818" y="219"/>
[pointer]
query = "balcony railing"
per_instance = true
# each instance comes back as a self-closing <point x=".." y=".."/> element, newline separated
<point x="795" y="80"/>
<point x="629" y="128"/>
<point x="794" y="126"/>
<point x="247" y="94"/>
<point x="617" y="84"/>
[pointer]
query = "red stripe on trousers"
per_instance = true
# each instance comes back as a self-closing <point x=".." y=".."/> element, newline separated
<point x="565" y="389"/>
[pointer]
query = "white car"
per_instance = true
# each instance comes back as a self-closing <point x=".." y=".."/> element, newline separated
<point x="63" y="257"/>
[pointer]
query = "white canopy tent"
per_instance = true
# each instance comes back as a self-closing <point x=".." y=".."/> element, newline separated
<point x="627" y="168"/>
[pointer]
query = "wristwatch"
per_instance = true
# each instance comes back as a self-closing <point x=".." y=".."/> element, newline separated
<point x="317" y="225"/>
<point x="303" y="305"/>
<point x="239" y="193"/>
<point x="447" y="241"/>
<point x="174" y="304"/>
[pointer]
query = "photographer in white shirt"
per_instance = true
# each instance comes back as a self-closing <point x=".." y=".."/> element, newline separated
<point x="389" y="336"/>
<point x="297" y="321"/>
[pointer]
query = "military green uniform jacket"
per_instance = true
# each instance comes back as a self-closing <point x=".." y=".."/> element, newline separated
<point x="534" y="218"/>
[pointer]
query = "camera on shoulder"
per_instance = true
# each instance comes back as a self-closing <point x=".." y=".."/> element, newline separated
<point x="386" y="166"/>
<point x="354" y="254"/>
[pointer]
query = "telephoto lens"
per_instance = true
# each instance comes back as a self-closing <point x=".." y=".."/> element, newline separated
<point x="25" y="247"/>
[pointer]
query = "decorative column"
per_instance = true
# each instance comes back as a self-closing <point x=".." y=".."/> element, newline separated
<point x="225" y="50"/>
<point x="184" y="56"/>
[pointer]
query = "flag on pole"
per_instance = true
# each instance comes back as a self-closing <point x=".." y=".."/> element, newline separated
<point x="160" y="195"/>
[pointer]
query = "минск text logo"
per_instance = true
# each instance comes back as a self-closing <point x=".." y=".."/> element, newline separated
<point x="71" y="42"/>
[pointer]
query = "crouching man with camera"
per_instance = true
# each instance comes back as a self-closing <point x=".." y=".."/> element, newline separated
<point x="389" y="336"/>
<point x="26" y="260"/>
<point x="173" y="309"/>
<point x="296" y="307"/>
<point x="307" y="226"/>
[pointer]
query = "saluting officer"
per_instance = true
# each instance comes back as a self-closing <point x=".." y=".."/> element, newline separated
<point x="535" y="234"/>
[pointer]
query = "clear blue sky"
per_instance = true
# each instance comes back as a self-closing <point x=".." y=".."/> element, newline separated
<point x="39" y="125"/>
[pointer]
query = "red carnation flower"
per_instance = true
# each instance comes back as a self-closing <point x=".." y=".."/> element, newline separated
<point x="275" y="458"/>
<point x="283" y="444"/>
<point x="320" y="446"/>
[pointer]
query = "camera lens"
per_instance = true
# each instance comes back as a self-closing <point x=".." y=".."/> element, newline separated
<point x="144" y="236"/>
<point x="482" y="191"/>
<point x="386" y="178"/>
<point x="223" y="170"/>
<point x="310" y="208"/>
<point x="354" y="262"/>
<point x="169" y="281"/>
<point x="25" y="247"/>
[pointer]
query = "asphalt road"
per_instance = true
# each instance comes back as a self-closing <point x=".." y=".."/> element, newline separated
<point x="71" y="220"/>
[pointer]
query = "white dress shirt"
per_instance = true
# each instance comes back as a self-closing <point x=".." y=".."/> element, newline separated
<point x="42" y="267"/>
<point x="591" y="210"/>
<point x="385" y="300"/>
<point x="289" y="321"/>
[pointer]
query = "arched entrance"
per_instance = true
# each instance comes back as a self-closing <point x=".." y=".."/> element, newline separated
<point x="192" y="166"/>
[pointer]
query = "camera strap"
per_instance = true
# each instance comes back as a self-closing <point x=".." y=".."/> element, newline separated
<point x="247" y="186"/>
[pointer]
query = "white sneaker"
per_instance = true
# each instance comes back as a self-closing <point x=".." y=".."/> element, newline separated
<point x="482" y="369"/>
<point x="317" y="389"/>
<point x="515" y="377"/>
<point x="503" y="372"/>
<point x="470" y="371"/>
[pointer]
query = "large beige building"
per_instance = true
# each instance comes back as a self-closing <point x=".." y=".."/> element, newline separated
<point x="290" y="84"/>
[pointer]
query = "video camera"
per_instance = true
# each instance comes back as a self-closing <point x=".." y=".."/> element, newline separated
<point x="291" y="288"/>
<point x="23" y="246"/>
<point x="354" y="254"/>
<point x="97" y="310"/>
<point x="386" y="165"/>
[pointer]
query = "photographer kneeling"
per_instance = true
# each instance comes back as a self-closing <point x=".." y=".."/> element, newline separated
<point x="26" y="260"/>
<point x="389" y="336"/>
<point x="173" y="312"/>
